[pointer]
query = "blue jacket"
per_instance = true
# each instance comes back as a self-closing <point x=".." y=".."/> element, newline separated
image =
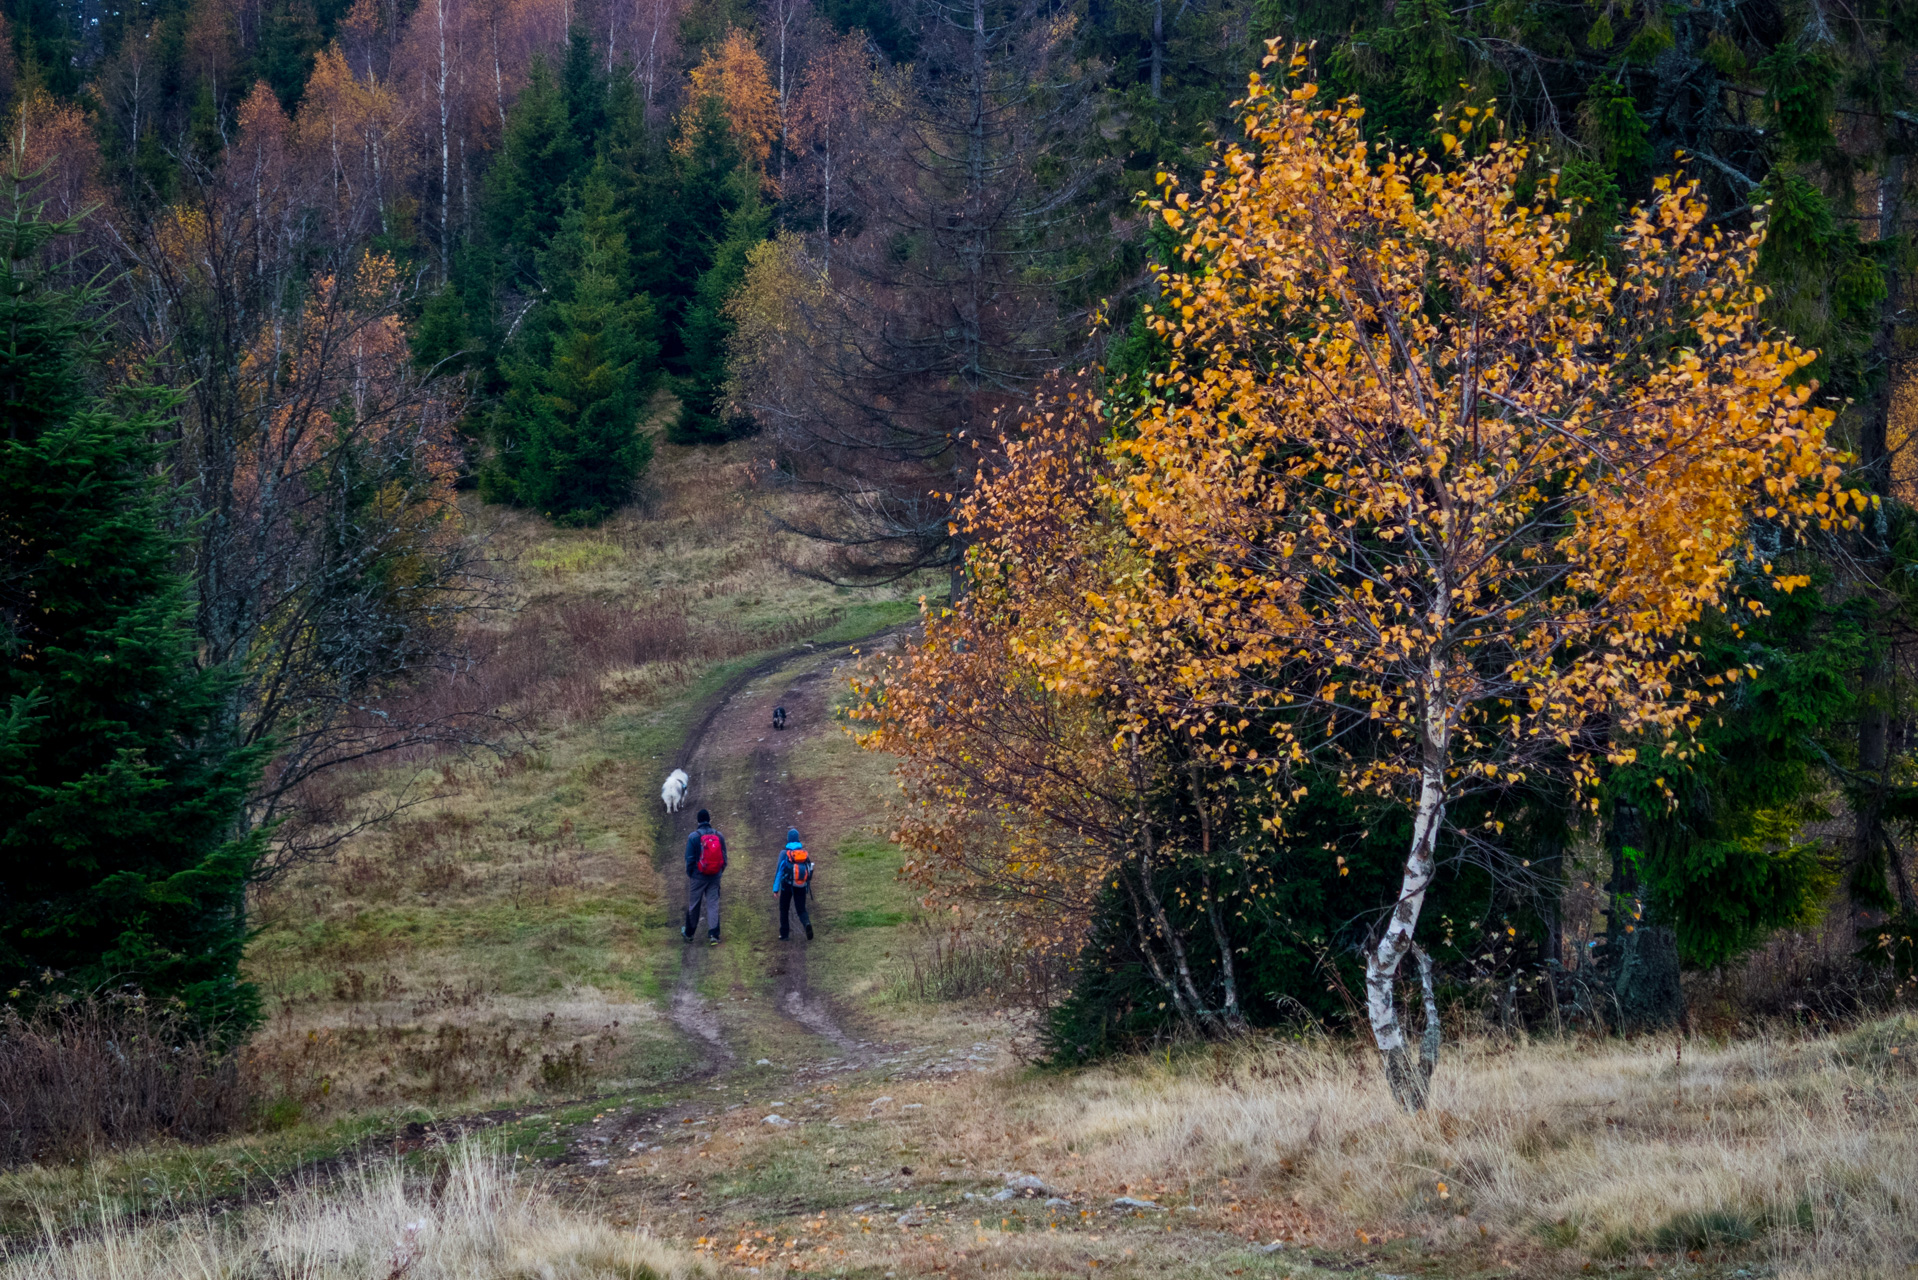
<point x="692" y="847"/>
<point x="784" y="875"/>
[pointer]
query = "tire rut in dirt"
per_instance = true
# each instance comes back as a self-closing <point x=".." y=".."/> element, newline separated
<point x="774" y="806"/>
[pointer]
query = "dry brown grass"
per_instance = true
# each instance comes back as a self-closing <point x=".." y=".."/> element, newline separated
<point x="1610" y="1149"/>
<point x="475" y="1220"/>
<point x="1800" y="1154"/>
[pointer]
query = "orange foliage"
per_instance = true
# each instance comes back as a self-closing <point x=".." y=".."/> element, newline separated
<point x="1017" y="803"/>
<point x="343" y="362"/>
<point x="352" y="129"/>
<point x="736" y="75"/>
<point x="1420" y="497"/>
<point x="332" y="393"/>
<point x="360" y="33"/>
<point x="46" y="134"/>
<point x="262" y="147"/>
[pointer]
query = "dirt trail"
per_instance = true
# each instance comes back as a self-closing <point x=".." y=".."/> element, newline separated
<point x="740" y="768"/>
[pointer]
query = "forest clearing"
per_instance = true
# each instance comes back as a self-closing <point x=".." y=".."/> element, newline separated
<point x="863" y="638"/>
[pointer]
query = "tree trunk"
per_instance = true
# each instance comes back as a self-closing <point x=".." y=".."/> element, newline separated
<point x="1181" y="967"/>
<point x="1428" y="1042"/>
<point x="825" y="207"/>
<point x="975" y="242"/>
<point x="1869" y="837"/>
<point x="1411" y="1079"/>
<point x="1641" y="955"/>
<point x="499" y="82"/>
<point x="1158" y="47"/>
<point x="1159" y="975"/>
<point x="1229" y="1011"/>
<point x="1901" y="879"/>
<point x="1173" y="943"/>
<point x="446" y="156"/>
<point x="785" y="12"/>
<point x="652" y="60"/>
<point x="1228" y="974"/>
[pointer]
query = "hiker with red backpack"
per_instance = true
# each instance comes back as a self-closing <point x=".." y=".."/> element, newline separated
<point x="705" y="863"/>
<point x="791" y="882"/>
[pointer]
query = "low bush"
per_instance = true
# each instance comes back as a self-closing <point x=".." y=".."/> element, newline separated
<point x="110" y="1072"/>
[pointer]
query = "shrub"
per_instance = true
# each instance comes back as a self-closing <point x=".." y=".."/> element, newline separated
<point x="110" y="1072"/>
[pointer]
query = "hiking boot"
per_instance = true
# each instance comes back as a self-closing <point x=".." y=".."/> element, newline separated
<point x="785" y="937"/>
<point x="809" y="933"/>
<point x="686" y="929"/>
<point x="712" y="939"/>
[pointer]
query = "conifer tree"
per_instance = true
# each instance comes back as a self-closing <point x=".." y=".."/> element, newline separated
<point x="708" y="328"/>
<point x="584" y="90"/>
<point x="712" y="215"/>
<point x="499" y="285"/>
<point x="706" y="188"/>
<point x="121" y="790"/>
<point x="569" y="443"/>
<point x="540" y="158"/>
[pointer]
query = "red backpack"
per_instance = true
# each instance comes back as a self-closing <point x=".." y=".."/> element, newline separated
<point x="712" y="853"/>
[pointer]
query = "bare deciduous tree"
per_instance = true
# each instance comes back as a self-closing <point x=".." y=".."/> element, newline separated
<point x="940" y="258"/>
<point x="314" y="465"/>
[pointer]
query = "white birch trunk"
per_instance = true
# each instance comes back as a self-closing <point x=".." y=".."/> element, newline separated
<point x="446" y="159"/>
<point x="651" y="72"/>
<point x="1410" y="1079"/>
<point x="825" y="208"/>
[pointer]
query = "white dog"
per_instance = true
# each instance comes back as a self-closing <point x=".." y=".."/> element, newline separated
<point x="674" y="792"/>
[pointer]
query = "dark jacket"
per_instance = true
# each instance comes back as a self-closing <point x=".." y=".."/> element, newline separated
<point x="692" y="847"/>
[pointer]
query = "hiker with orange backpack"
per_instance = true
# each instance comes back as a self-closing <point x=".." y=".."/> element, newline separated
<point x="705" y="863"/>
<point x="791" y="882"/>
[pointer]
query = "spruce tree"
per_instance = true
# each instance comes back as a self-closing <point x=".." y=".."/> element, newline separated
<point x="708" y="329"/>
<point x="540" y="158"/>
<point x="122" y="857"/>
<point x="288" y="45"/>
<point x="569" y="443"/>
<point x="583" y="89"/>
<point x="712" y="215"/>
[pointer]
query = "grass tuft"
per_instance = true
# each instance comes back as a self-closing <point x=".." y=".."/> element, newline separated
<point x="1705" y="1229"/>
<point x="470" y="1218"/>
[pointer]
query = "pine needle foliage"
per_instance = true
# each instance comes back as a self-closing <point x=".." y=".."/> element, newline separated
<point x="121" y="788"/>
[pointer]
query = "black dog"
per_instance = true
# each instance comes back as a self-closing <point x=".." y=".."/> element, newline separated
<point x="779" y="717"/>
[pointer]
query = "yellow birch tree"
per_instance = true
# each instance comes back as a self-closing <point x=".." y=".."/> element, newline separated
<point x="1420" y="495"/>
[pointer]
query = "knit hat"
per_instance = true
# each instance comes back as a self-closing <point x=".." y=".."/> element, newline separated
<point x="702" y="816"/>
<point x="792" y="835"/>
